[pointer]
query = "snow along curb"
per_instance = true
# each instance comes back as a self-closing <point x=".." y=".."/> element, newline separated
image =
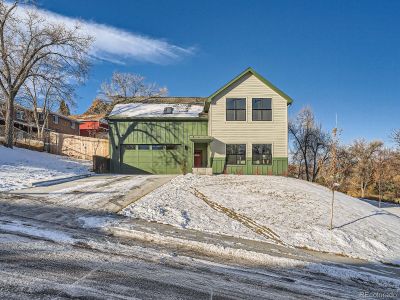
<point x="212" y="249"/>
<point x="255" y="257"/>
<point x="59" y="180"/>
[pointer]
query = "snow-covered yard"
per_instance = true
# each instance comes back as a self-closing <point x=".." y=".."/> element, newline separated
<point x="20" y="167"/>
<point x="288" y="210"/>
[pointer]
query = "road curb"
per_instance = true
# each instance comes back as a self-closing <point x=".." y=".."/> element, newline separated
<point x="59" y="180"/>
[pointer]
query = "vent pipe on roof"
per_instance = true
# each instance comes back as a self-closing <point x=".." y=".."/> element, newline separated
<point x="168" y="110"/>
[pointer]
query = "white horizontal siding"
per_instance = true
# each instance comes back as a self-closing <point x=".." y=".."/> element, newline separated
<point x="248" y="132"/>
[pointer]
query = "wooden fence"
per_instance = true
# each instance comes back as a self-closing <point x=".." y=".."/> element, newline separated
<point x="77" y="146"/>
<point x="23" y="139"/>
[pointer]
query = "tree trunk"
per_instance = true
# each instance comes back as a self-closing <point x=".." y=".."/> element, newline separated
<point x="9" y="130"/>
<point x="362" y="191"/>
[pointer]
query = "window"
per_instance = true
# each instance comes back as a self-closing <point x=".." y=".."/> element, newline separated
<point x="20" y="115"/>
<point x="171" y="147"/>
<point x="41" y="117"/>
<point x="236" y="154"/>
<point x="168" y="110"/>
<point x="55" y="119"/>
<point x="129" y="147"/>
<point x="262" y="109"/>
<point x="157" y="147"/>
<point x="236" y="109"/>
<point x="72" y="125"/>
<point x="144" y="147"/>
<point x="262" y="154"/>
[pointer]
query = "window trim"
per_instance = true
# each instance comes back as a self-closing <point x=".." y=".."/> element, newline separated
<point x="245" y="109"/>
<point x="54" y="118"/>
<point x="252" y="109"/>
<point x="272" y="153"/>
<point x="245" y="154"/>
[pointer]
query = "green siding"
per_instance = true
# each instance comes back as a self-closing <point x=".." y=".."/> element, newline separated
<point x="172" y="161"/>
<point x="279" y="167"/>
<point x="154" y="132"/>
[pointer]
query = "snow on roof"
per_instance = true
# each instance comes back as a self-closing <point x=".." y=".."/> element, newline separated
<point x="147" y="110"/>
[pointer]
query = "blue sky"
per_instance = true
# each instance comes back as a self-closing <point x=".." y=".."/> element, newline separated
<point x="336" y="56"/>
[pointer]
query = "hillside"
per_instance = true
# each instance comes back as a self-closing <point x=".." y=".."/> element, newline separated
<point x="275" y="209"/>
<point x="20" y="167"/>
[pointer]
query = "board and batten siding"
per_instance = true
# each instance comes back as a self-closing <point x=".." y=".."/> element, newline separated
<point x="151" y="132"/>
<point x="248" y="132"/>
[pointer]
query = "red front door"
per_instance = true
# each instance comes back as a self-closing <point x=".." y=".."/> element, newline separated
<point x="197" y="158"/>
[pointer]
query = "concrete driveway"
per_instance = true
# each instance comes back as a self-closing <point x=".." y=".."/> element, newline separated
<point x="106" y="193"/>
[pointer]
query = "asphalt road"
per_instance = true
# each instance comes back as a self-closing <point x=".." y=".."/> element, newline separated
<point x="46" y="254"/>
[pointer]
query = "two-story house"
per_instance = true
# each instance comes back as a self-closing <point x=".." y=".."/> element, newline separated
<point x="242" y="128"/>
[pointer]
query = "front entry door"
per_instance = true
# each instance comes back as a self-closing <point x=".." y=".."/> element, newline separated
<point x="198" y="157"/>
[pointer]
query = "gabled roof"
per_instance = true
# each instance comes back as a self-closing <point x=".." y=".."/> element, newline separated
<point x="261" y="78"/>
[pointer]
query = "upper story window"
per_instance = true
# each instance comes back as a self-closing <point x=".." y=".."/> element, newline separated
<point x="262" y="154"/>
<point x="236" y="109"/>
<point x="19" y="115"/>
<point x="55" y="119"/>
<point x="236" y="154"/>
<point x="262" y="109"/>
<point x="72" y="124"/>
<point x="41" y="117"/>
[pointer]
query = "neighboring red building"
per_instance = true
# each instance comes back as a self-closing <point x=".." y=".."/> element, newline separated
<point x="92" y="126"/>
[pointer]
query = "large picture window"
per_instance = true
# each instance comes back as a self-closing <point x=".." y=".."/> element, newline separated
<point x="262" y="154"/>
<point x="262" y="109"/>
<point x="236" y="154"/>
<point x="236" y="109"/>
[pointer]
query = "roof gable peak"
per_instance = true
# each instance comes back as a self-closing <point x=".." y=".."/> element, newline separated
<point x="261" y="78"/>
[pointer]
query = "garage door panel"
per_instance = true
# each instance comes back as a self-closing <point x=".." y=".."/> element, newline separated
<point x="136" y="160"/>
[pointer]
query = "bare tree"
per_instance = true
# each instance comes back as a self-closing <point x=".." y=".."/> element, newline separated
<point x="43" y="95"/>
<point x="311" y="145"/>
<point x="30" y="46"/>
<point x="124" y="85"/>
<point x="383" y="167"/>
<point x="396" y="137"/>
<point x="364" y="154"/>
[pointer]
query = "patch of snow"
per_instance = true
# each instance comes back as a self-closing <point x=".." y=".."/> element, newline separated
<point x="20" y="167"/>
<point x="341" y="272"/>
<point x="93" y="192"/>
<point x="141" y="110"/>
<point x="297" y="211"/>
<point x="19" y="227"/>
<point x="96" y="221"/>
<point x="353" y="275"/>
